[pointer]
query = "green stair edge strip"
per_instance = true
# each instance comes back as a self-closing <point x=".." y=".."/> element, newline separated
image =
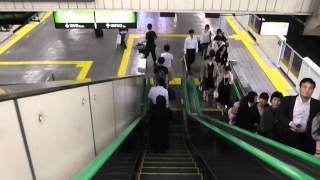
<point x="276" y="164"/>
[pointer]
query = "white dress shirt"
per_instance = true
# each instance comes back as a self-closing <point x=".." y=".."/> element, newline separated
<point x="168" y="57"/>
<point x="301" y="113"/>
<point x="190" y="43"/>
<point x="156" y="91"/>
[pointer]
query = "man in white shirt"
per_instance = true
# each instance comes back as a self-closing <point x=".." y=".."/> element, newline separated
<point x="168" y="57"/>
<point x="300" y="111"/>
<point x="190" y="49"/>
<point x="157" y="90"/>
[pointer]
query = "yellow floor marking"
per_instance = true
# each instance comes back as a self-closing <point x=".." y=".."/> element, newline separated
<point x="85" y="66"/>
<point x="211" y="109"/>
<point x="127" y="53"/>
<point x="23" y="32"/>
<point x="279" y="82"/>
<point x="2" y="91"/>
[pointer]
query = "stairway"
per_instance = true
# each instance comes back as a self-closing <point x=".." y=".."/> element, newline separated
<point x="176" y="163"/>
<point x="118" y="168"/>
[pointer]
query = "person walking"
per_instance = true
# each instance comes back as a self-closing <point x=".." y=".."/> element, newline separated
<point x="190" y="49"/>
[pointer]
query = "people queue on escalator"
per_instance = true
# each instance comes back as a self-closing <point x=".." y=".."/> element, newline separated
<point x="291" y="120"/>
<point x="215" y="55"/>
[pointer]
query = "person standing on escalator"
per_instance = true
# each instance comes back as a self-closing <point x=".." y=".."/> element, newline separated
<point x="160" y="117"/>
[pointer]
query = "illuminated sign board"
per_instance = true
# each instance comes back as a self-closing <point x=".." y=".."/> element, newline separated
<point x="274" y="28"/>
<point x="101" y="19"/>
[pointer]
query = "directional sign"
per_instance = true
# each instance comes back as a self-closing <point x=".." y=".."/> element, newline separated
<point x="99" y="19"/>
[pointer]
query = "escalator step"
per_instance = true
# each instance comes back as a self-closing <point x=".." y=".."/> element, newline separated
<point x="115" y="169"/>
<point x="111" y="176"/>
<point x="168" y="164"/>
<point x="168" y="159"/>
<point x="172" y="176"/>
<point x="170" y="170"/>
<point x="167" y="155"/>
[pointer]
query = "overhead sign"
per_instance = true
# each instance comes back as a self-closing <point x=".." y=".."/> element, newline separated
<point x="74" y="19"/>
<point x="101" y="19"/>
<point x="274" y="28"/>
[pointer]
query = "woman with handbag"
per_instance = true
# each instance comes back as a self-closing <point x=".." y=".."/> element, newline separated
<point x="209" y="74"/>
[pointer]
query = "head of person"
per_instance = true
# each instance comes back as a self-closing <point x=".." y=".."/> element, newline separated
<point x="219" y="32"/>
<point x="218" y="39"/>
<point x="161" y="82"/>
<point x="212" y="54"/>
<point x="263" y="98"/>
<point x="227" y="69"/>
<point x="166" y="48"/>
<point x="252" y="97"/>
<point x="149" y="26"/>
<point x="207" y="27"/>
<point x="276" y="99"/>
<point x="161" y="60"/>
<point x="191" y="33"/>
<point x="161" y="102"/>
<point x="307" y="86"/>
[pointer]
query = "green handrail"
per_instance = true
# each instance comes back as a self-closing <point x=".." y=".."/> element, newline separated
<point x="93" y="167"/>
<point x="295" y="152"/>
<point x="278" y="165"/>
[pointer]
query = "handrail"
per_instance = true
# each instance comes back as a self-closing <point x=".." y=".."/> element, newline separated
<point x="93" y="167"/>
<point x="295" y="152"/>
<point x="278" y="165"/>
<point x="185" y="65"/>
<point x="61" y="87"/>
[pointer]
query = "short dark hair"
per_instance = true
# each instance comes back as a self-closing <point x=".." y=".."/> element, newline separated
<point x="212" y="53"/>
<point x="207" y="26"/>
<point x="276" y="94"/>
<point x="251" y="96"/>
<point x="191" y="31"/>
<point x="227" y="68"/>
<point x="264" y="96"/>
<point x="219" y="31"/>
<point x="161" y="82"/>
<point x="161" y="60"/>
<point x="149" y="26"/>
<point x="161" y="101"/>
<point x="308" y="80"/>
<point x="166" y="47"/>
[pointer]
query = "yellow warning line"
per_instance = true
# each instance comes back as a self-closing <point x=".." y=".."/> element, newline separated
<point x="85" y="66"/>
<point x="279" y="82"/>
<point x="23" y="32"/>
<point x="2" y="91"/>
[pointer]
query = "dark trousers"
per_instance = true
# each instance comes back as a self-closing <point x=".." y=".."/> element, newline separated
<point x="204" y="47"/>
<point x="190" y="57"/>
<point x="123" y="42"/>
<point x="153" y="53"/>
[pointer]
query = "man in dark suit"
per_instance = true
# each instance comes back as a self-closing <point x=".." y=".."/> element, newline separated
<point x="299" y="111"/>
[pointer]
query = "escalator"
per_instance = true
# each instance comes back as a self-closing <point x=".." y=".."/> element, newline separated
<point x="197" y="151"/>
<point x="305" y="162"/>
